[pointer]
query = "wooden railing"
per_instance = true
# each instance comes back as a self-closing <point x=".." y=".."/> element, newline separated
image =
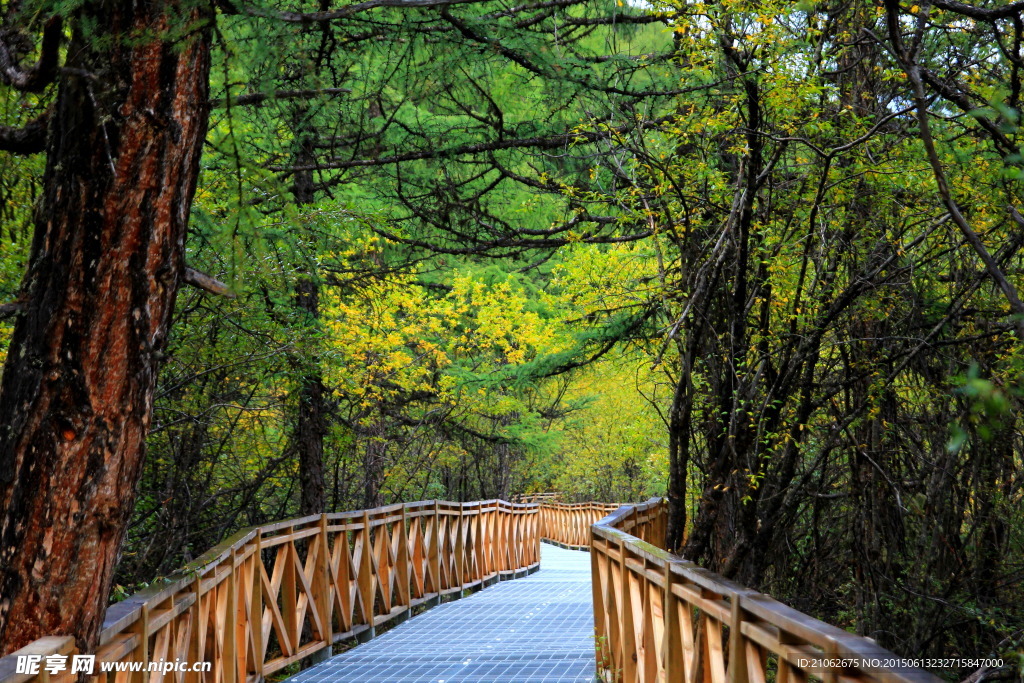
<point x="272" y="595"/>
<point x="568" y="524"/>
<point x="661" y="618"/>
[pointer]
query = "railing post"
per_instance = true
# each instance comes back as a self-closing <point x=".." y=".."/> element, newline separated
<point x="322" y="586"/>
<point x="595" y="517"/>
<point x="512" y="540"/>
<point x="577" y="521"/>
<point x="141" y="651"/>
<point x="493" y="532"/>
<point x="516" y="541"/>
<point x="256" y="609"/>
<point x="534" y="525"/>
<point x="674" y="660"/>
<point x="434" y="551"/>
<point x="230" y="648"/>
<point x="460" y="549"/>
<point x="834" y="652"/>
<point x="289" y="596"/>
<point x="524" y="539"/>
<point x="404" y="585"/>
<point x="487" y="541"/>
<point x="479" y="547"/>
<point x="518" y="550"/>
<point x="241" y="618"/>
<point x="601" y="644"/>
<point x="364" y="580"/>
<point x="515" y="548"/>
<point x="627" y="628"/>
<point x="664" y="524"/>
<point x="543" y="523"/>
<point x="495" y="527"/>
<point x="737" y="657"/>
<point x="193" y="640"/>
<point x="570" y="524"/>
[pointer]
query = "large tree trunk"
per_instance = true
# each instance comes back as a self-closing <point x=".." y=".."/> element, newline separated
<point x="106" y="263"/>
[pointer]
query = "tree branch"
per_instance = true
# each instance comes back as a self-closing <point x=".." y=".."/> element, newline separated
<point x="207" y="283"/>
<point x="29" y="139"/>
<point x="559" y="140"/>
<point x="8" y="310"/>
<point x="913" y="71"/>
<point x="258" y="98"/>
<point x="341" y="13"/>
<point x="1013" y="9"/>
<point x="40" y="75"/>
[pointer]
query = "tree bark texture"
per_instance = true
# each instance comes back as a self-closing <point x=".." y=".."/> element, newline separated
<point x="107" y="259"/>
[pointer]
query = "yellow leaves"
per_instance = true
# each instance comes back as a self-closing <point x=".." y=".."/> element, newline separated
<point x="617" y="440"/>
<point x="398" y="337"/>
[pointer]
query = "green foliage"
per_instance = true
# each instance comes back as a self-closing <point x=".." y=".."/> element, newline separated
<point x="989" y="409"/>
<point x="614" y="251"/>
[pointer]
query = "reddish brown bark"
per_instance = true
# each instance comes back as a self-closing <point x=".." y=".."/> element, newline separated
<point x="107" y="260"/>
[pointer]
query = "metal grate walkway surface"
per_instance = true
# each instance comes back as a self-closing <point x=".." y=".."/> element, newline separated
<point x="531" y="630"/>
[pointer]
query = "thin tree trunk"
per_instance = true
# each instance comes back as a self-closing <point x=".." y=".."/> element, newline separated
<point x="311" y="425"/>
<point x="107" y="260"/>
<point x="374" y="460"/>
<point x="679" y="459"/>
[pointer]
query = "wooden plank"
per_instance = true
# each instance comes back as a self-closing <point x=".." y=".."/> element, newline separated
<point x="365" y="580"/>
<point x="257" y="633"/>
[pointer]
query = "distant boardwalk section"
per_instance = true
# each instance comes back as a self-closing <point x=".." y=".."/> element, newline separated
<point x="538" y="628"/>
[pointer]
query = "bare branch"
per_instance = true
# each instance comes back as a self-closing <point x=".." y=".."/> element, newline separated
<point x="1017" y="218"/>
<point x="207" y="283"/>
<point x="557" y="141"/>
<point x="1004" y="12"/>
<point x="42" y="73"/>
<point x="910" y="66"/>
<point x="29" y="139"/>
<point x="258" y="98"/>
<point x="8" y="310"/>
<point x="647" y="18"/>
<point x="341" y="13"/>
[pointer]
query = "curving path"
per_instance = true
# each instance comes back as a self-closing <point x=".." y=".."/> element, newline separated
<point x="534" y="629"/>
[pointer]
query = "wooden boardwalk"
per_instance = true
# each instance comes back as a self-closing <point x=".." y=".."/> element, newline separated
<point x="531" y="630"/>
<point x="272" y="595"/>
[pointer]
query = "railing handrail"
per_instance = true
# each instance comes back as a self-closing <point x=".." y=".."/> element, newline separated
<point x="758" y="624"/>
